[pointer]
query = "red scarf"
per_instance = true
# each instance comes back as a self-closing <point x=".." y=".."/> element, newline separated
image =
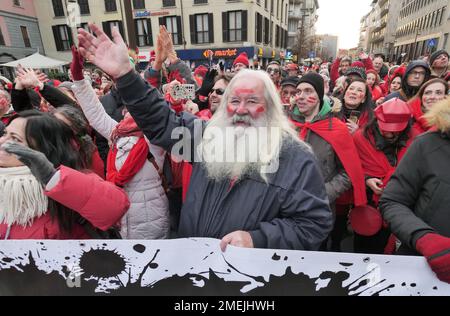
<point x="375" y="162"/>
<point x="337" y="135"/>
<point x="420" y="125"/>
<point x="136" y="158"/>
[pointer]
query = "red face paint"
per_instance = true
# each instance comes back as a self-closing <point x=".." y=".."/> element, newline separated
<point x="231" y="109"/>
<point x="261" y="109"/>
<point x="312" y="99"/>
<point x="240" y="92"/>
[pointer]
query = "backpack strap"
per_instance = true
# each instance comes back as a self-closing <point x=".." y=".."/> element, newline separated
<point x="164" y="183"/>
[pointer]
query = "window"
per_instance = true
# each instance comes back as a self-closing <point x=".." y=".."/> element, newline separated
<point x="110" y="6"/>
<point x="58" y="8"/>
<point x="259" y="28"/>
<point x="63" y="37"/>
<point x="200" y="1"/>
<point x="173" y="25"/>
<point x="17" y="3"/>
<point x="202" y="29"/>
<point x="138" y="4"/>
<point x="235" y="26"/>
<point x="84" y="6"/>
<point x="2" y="40"/>
<point x="26" y="38"/>
<point x="144" y="32"/>
<point x="108" y="26"/>
<point x="266" y="31"/>
<point x="168" y="3"/>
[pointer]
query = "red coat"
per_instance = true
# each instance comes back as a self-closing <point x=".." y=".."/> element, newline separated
<point x="101" y="203"/>
<point x="420" y="125"/>
<point x="97" y="166"/>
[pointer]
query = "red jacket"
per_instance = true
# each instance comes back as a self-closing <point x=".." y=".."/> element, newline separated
<point x="101" y="203"/>
<point x="420" y="125"/>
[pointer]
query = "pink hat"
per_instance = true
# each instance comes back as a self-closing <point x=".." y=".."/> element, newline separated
<point x="393" y="116"/>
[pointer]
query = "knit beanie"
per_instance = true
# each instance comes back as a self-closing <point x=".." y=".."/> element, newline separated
<point x="317" y="82"/>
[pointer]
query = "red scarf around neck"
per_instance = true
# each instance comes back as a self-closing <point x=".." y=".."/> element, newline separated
<point x="136" y="158"/>
<point x="336" y="134"/>
<point x="375" y="162"/>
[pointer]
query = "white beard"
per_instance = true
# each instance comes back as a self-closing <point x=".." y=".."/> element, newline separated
<point x="231" y="152"/>
<point x="22" y="197"/>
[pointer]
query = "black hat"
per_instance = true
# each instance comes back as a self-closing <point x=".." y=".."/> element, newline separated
<point x="361" y="72"/>
<point x="317" y="82"/>
<point x="436" y="54"/>
<point x="290" y="81"/>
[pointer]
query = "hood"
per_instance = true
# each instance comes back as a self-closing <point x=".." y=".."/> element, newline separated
<point x="408" y="90"/>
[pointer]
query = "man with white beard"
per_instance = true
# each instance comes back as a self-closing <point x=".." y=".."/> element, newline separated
<point x="244" y="203"/>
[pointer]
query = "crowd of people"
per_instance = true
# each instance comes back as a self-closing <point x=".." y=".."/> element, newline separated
<point x="360" y="152"/>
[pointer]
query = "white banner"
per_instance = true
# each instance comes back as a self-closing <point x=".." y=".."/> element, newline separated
<point x="197" y="267"/>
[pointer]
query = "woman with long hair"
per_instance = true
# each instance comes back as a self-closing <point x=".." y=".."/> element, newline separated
<point x="429" y="94"/>
<point x="45" y="193"/>
<point x="357" y="105"/>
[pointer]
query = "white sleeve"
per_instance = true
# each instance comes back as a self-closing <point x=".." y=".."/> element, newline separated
<point x="93" y="109"/>
<point x="53" y="181"/>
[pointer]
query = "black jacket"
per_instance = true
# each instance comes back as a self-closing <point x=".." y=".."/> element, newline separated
<point x="417" y="198"/>
<point x="290" y="212"/>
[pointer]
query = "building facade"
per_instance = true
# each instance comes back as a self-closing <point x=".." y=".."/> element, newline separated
<point x="19" y="32"/>
<point x="328" y="47"/>
<point x="301" y="26"/>
<point x="423" y="27"/>
<point x="380" y="26"/>
<point x="225" y="27"/>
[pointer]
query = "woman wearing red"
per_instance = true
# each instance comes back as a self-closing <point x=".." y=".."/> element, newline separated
<point x="429" y="94"/>
<point x="44" y="194"/>
<point x="381" y="145"/>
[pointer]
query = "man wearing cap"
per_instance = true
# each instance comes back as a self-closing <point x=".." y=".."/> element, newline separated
<point x="439" y="64"/>
<point x="288" y="90"/>
<point x="416" y="202"/>
<point x="241" y="62"/>
<point x="330" y="141"/>
<point x="381" y="146"/>
<point x="292" y="70"/>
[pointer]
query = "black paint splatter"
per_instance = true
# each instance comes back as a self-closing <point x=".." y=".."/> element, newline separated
<point x="346" y="264"/>
<point x="276" y="257"/>
<point x="139" y="248"/>
<point x="103" y="264"/>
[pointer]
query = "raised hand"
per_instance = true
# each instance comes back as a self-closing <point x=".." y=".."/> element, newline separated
<point x="162" y="52"/>
<point x="76" y="67"/>
<point x="111" y="56"/>
<point x="28" y="78"/>
<point x="38" y="163"/>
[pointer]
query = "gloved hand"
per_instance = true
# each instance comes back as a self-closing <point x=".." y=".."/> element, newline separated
<point x="76" y="67"/>
<point x="436" y="249"/>
<point x="38" y="163"/>
<point x="208" y="83"/>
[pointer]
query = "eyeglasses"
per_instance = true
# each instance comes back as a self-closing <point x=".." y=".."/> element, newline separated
<point x="418" y="73"/>
<point x="218" y="91"/>
<point x="273" y="71"/>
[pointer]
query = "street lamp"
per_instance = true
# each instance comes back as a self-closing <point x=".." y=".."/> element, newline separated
<point x="415" y="40"/>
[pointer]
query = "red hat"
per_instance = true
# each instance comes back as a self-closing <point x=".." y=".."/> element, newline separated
<point x="372" y="71"/>
<point x="152" y="56"/>
<point x="393" y="115"/>
<point x="291" y="67"/>
<point x="358" y="64"/>
<point x="242" y="59"/>
<point x="366" y="220"/>
<point x="201" y="71"/>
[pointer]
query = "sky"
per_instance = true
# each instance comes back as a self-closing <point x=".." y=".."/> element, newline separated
<point x="342" y="18"/>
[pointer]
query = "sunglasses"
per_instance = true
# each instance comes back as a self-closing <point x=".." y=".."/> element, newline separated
<point x="218" y="91"/>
